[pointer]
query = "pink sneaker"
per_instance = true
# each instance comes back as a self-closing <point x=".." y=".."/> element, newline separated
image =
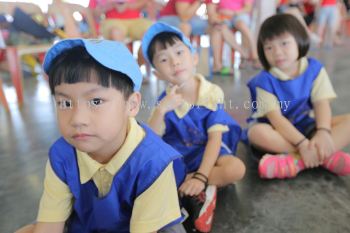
<point x="280" y="166"/>
<point x="338" y="163"/>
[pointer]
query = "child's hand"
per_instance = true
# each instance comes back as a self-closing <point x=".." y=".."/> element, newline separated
<point x="324" y="144"/>
<point x="171" y="101"/>
<point x="309" y="154"/>
<point x="191" y="187"/>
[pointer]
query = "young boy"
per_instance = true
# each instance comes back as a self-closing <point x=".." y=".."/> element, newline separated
<point x="107" y="173"/>
<point x="190" y="116"/>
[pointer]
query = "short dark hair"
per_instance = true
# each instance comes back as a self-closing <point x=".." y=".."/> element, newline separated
<point x="163" y="39"/>
<point x="277" y="25"/>
<point x="77" y="65"/>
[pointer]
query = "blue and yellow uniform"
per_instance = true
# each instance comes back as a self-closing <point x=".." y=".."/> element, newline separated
<point x="294" y="97"/>
<point x="186" y="128"/>
<point x="124" y="195"/>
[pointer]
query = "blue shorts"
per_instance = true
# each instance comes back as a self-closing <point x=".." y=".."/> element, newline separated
<point x="198" y="25"/>
<point x="245" y="18"/>
<point x="327" y="15"/>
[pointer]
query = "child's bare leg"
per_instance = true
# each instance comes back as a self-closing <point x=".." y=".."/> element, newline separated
<point x="227" y="170"/>
<point x="215" y="43"/>
<point x="117" y="34"/>
<point x="264" y="137"/>
<point x="230" y="38"/>
<point x="340" y="131"/>
<point x="26" y="229"/>
<point x="247" y="34"/>
<point x="339" y="162"/>
<point x="185" y="28"/>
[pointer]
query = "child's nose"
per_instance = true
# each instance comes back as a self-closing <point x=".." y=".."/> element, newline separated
<point x="79" y="116"/>
<point x="175" y="60"/>
<point x="277" y="50"/>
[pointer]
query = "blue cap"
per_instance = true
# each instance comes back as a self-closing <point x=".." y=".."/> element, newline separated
<point x="157" y="28"/>
<point x="111" y="54"/>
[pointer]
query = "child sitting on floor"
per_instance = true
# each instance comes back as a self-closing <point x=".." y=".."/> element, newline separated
<point x="290" y="90"/>
<point x="190" y="117"/>
<point x="107" y="173"/>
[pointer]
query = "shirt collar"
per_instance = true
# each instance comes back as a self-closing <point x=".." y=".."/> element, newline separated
<point x="279" y="74"/>
<point x="209" y="96"/>
<point x="88" y="167"/>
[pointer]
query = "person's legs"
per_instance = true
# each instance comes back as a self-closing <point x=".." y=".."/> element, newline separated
<point x="230" y="38"/>
<point x="114" y="29"/>
<point x="171" y="20"/>
<point x="241" y="23"/>
<point x="340" y="131"/>
<point x="321" y="19"/>
<point x="199" y="26"/>
<point x="283" y="163"/>
<point x="332" y="25"/>
<point x="339" y="162"/>
<point x="26" y="229"/>
<point x="227" y="170"/>
<point x="215" y="44"/>
<point x="264" y="137"/>
<point x="137" y="27"/>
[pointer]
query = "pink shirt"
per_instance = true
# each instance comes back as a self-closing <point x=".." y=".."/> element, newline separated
<point x="170" y="9"/>
<point x="233" y="5"/>
<point x="114" y="14"/>
<point x="329" y="3"/>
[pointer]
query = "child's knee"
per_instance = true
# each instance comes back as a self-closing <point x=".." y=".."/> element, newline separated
<point x="347" y="119"/>
<point x="259" y="133"/>
<point x="234" y="169"/>
<point x="26" y="229"/>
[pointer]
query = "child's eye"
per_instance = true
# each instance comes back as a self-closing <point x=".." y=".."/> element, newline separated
<point x="95" y="102"/>
<point x="65" y="104"/>
<point x="284" y="43"/>
<point x="179" y="52"/>
<point x="163" y="60"/>
<point x="268" y="47"/>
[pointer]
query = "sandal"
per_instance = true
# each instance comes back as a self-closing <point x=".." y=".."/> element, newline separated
<point x="279" y="166"/>
<point x="244" y="63"/>
<point x="338" y="163"/>
<point x="225" y="71"/>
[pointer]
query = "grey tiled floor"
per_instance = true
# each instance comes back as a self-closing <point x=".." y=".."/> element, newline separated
<point x="316" y="201"/>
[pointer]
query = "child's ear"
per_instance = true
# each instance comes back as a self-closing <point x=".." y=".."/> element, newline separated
<point x="133" y="104"/>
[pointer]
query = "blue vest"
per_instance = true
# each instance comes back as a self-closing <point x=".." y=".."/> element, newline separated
<point x="189" y="135"/>
<point x="112" y="213"/>
<point x="297" y="91"/>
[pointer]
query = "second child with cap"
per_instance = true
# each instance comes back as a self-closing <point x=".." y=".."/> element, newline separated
<point x="190" y="116"/>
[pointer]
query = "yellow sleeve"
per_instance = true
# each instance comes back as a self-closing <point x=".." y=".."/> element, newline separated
<point x="56" y="201"/>
<point x="157" y="206"/>
<point x="218" y="127"/>
<point x="266" y="102"/>
<point x="322" y="87"/>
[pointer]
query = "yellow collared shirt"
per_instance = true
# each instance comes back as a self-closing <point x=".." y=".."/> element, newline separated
<point x="152" y="209"/>
<point x="322" y="89"/>
<point x="209" y="96"/>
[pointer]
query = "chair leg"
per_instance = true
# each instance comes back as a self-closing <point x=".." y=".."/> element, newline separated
<point x="15" y="68"/>
<point x="3" y="99"/>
